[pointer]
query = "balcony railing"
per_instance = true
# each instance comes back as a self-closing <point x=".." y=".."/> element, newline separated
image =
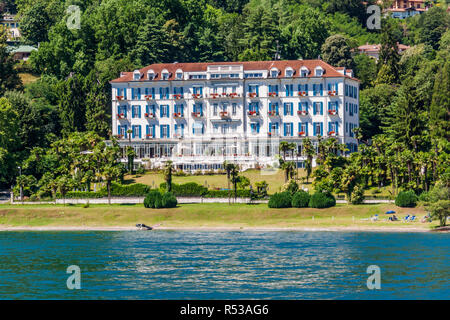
<point x="252" y="95"/>
<point x="302" y="94"/>
<point x="273" y="114"/>
<point x="178" y="96"/>
<point x="332" y="112"/>
<point x="224" y="114"/>
<point x="197" y="96"/>
<point x="302" y="113"/>
<point x="149" y="136"/>
<point x="178" y="115"/>
<point x="301" y="134"/>
<point x="149" y="97"/>
<point x="273" y="94"/>
<point x="150" y="115"/>
<point x="253" y="113"/>
<point x="197" y="114"/>
<point x="332" y="93"/>
<point x="121" y="116"/>
<point x="273" y="134"/>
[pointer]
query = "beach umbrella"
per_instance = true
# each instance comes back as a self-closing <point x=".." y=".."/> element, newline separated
<point x="390" y="212"/>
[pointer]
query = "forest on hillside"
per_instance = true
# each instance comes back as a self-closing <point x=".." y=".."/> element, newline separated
<point x="404" y="102"/>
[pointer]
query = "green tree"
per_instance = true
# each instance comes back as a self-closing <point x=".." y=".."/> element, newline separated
<point x="168" y="171"/>
<point x="9" y="78"/>
<point x="365" y="70"/>
<point x="389" y="56"/>
<point x="35" y="23"/>
<point x="336" y="51"/>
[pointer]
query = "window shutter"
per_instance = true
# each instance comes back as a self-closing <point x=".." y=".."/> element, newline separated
<point x="314" y="89"/>
<point x="285" y="109"/>
<point x="336" y="87"/>
<point x="306" y="127"/>
<point x="125" y="93"/>
<point x="139" y="93"/>
<point x="321" y="128"/>
<point x="329" y="86"/>
<point x="118" y="128"/>
<point x="329" y="127"/>
<point x="321" y="108"/>
<point x="257" y="127"/>
<point x="314" y="128"/>
<point x="337" y="106"/>
<point x="270" y="88"/>
<point x="321" y="89"/>
<point x="132" y="94"/>
<point x="203" y="128"/>
<point x="336" y="127"/>
<point x="139" y="111"/>
<point x="132" y="111"/>
<point x="146" y="91"/>
<point x="167" y="111"/>
<point x="168" y="131"/>
<point x="270" y="127"/>
<point x="329" y="105"/>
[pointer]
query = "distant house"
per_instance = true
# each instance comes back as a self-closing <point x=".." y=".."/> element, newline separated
<point x="11" y="23"/>
<point x="373" y="50"/>
<point x="403" y="9"/>
<point x="21" y="52"/>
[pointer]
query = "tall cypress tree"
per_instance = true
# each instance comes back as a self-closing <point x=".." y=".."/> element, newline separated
<point x="440" y="104"/>
<point x="9" y="78"/>
<point x="72" y="106"/>
<point x="389" y="56"/>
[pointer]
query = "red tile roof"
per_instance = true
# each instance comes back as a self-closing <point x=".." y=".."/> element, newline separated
<point x="248" y="66"/>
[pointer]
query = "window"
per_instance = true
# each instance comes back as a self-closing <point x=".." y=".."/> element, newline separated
<point x="179" y="75"/>
<point x="164" y="131"/>
<point x="197" y="76"/>
<point x="318" y="108"/>
<point x="319" y="72"/>
<point x="215" y="107"/>
<point x="288" y="109"/>
<point x="318" y="128"/>
<point x="274" y="73"/>
<point x="198" y="127"/>
<point x="164" y="111"/>
<point x="136" y="75"/>
<point x="253" y="75"/>
<point x="289" y="90"/>
<point x="254" y="127"/>
<point x="234" y="108"/>
<point x="304" y="72"/>
<point x="136" y="111"/>
<point x="136" y="131"/>
<point x="165" y="76"/>
<point x="253" y="107"/>
<point x="288" y="132"/>
<point x="289" y="72"/>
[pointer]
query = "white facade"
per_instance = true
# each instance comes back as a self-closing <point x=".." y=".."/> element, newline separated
<point x="234" y="112"/>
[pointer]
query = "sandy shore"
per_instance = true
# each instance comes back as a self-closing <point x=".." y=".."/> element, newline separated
<point x="349" y="229"/>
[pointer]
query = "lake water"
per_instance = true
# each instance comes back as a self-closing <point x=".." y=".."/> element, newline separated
<point x="224" y="265"/>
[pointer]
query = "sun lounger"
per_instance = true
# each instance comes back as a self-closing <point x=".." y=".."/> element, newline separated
<point x="405" y="219"/>
<point x="413" y="218"/>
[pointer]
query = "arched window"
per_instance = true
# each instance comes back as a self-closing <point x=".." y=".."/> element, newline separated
<point x="179" y="74"/>
<point x="151" y="74"/>
<point x="319" y="71"/>
<point x="288" y="72"/>
<point x="136" y="75"/>
<point x="274" y="73"/>
<point x="304" y="71"/>
<point x="165" y="75"/>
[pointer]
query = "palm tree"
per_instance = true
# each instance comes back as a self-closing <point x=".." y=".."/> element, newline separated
<point x="285" y="147"/>
<point x="308" y="151"/>
<point x="168" y="170"/>
<point x="64" y="184"/>
<point x="228" y="167"/>
<point x="289" y="169"/>
<point x="234" y="173"/>
<point x="110" y="172"/>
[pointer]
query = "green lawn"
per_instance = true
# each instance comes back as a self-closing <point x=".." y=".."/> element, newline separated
<point x="206" y="215"/>
<point x="274" y="179"/>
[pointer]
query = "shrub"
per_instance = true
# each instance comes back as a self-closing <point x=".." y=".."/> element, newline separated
<point x="152" y="199"/>
<point x="291" y="187"/>
<point x="280" y="200"/>
<point x="322" y="200"/>
<point x="190" y="189"/>
<point x="300" y="199"/>
<point x="131" y="190"/>
<point x="407" y="199"/>
<point x="168" y="200"/>
<point x="424" y="196"/>
<point x="358" y="195"/>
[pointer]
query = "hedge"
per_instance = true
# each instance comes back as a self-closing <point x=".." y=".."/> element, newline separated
<point x="240" y="193"/>
<point x="190" y="189"/>
<point x="81" y="195"/>
<point x="155" y="200"/>
<point x="280" y="200"/>
<point x="129" y="190"/>
<point x="169" y="200"/>
<point x="406" y="199"/>
<point x="300" y="199"/>
<point x="322" y="200"/>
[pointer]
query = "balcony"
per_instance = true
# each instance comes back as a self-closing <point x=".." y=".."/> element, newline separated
<point x="150" y="115"/>
<point x="253" y="114"/>
<point x="197" y="96"/>
<point x="273" y="94"/>
<point x="302" y="94"/>
<point x="121" y="116"/>
<point x="233" y="95"/>
<point x="273" y="134"/>
<point x="301" y="134"/>
<point x="273" y="114"/>
<point x="149" y="97"/>
<point x="252" y="95"/>
<point x="149" y="136"/>
<point x="332" y="133"/>
<point x="178" y="96"/>
<point x="178" y="135"/>
<point x="332" y="93"/>
<point x="197" y="114"/>
<point x="302" y="113"/>
<point x="332" y="112"/>
<point x="224" y="115"/>
<point x="178" y="115"/>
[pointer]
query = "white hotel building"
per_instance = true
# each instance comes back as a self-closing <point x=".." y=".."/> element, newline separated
<point x="200" y="114"/>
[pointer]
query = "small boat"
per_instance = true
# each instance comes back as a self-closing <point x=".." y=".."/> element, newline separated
<point x="142" y="226"/>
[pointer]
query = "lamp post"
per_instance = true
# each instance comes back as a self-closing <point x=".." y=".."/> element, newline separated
<point x="21" y="187"/>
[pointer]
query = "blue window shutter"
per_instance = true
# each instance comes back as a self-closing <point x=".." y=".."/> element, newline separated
<point x="314" y="128"/>
<point x="329" y="105"/>
<point x="321" y="128"/>
<point x="336" y="87"/>
<point x="125" y="93"/>
<point x="203" y="128"/>
<point x="306" y="88"/>
<point x="160" y="93"/>
<point x="257" y="127"/>
<point x="161" y="111"/>
<point x="132" y="132"/>
<point x="321" y="89"/>
<point x="292" y="128"/>
<point x="146" y="91"/>
<point x="270" y="88"/>
<point x="314" y="89"/>
<point x="299" y="126"/>
<point x="167" y="93"/>
<point x="167" y="111"/>
<point x="160" y="131"/>
<point x="181" y="90"/>
<point x="153" y="93"/>
<point x="321" y="108"/>
<point x="139" y="93"/>
<point x="299" y="106"/>
<point x="329" y="86"/>
<point x="336" y="126"/>
<point x="118" y="128"/>
<point x="329" y="126"/>
<point x="285" y="109"/>
<point x="291" y="107"/>
<point x="284" y="129"/>
<point x="270" y="127"/>
<point x="337" y="106"/>
<point x="132" y="93"/>
<point x="139" y="111"/>
<point x="306" y="127"/>
<point x="257" y="90"/>
<point x="132" y="111"/>
<point x="154" y="130"/>
<point x="147" y="129"/>
<point x="168" y="131"/>
<point x="140" y="135"/>
<point x="182" y="129"/>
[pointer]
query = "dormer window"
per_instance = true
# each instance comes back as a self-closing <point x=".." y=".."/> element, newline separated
<point x="319" y="72"/>
<point x="179" y="75"/>
<point x="151" y="75"/>
<point x="304" y="72"/>
<point x="274" y="73"/>
<point x="289" y="72"/>
<point x="136" y="75"/>
<point x="165" y="75"/>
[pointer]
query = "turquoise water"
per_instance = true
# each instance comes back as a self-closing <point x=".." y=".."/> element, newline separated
<point x="224" y="265"/>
